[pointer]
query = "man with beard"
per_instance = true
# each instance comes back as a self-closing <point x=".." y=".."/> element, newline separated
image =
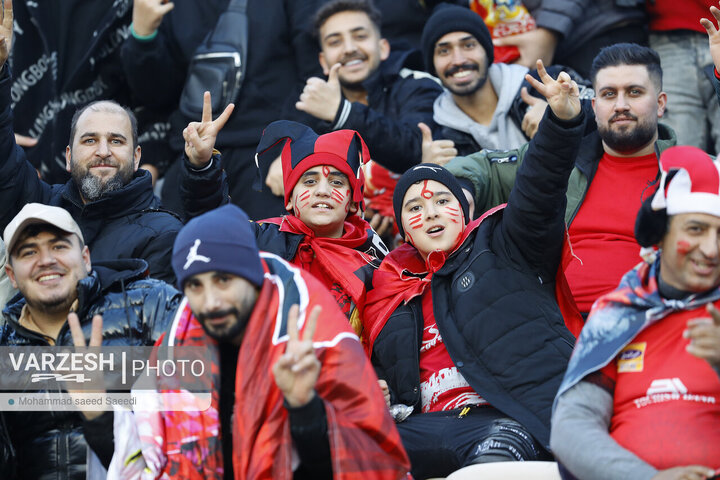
<point x="49" y="262"/>
<point x="611" y="172"/>
<point x="108" y="196"/>
<point x="293" y="396"/>
<point x="474" y="111"/>
<point x="369" y="89"/>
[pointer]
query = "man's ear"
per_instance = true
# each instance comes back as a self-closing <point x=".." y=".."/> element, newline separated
<point x="662" y="103"/>
<point x="68" y="158"/>
<point x="136" y="155"/>
<point x="11" y="274"/>
<point x="289" y="206"/>
<point x="353" y="208"/>
<point x="324" y="64"/>
<point x="86" y="259"/>
<point x="384" y="49"/>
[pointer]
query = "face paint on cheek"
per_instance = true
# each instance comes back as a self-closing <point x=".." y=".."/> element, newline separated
<point x="337" y="195"/>
<point x="453" y="214"/>
<point x="683" y="247"/>
<point x="326" y="171"/>
<point x="425" y="193"/>
<point x="415" y="221"/>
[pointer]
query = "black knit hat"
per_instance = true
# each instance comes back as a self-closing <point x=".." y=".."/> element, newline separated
<point x="426" y="171"/>
<point x="452" y="18"/>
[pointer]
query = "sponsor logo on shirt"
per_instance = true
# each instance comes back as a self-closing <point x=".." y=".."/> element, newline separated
<point x="631" y="358"/>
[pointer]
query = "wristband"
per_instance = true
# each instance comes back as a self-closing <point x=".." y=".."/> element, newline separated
<point x="142" y="38"/>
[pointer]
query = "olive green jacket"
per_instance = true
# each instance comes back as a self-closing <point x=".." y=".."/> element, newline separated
<point x="492" y="172"/>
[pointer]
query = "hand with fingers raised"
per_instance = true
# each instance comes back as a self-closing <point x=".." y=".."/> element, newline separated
<point x="321" y="98"/>
<point x="562" y="94"/>
<point x="6" y="31"/>
<point x="148" y="14"/>
<point x="200" y="136"/>
<point x="713" y="35"/>
<point x="297" y="370"/>
<point x="96" y="336"/>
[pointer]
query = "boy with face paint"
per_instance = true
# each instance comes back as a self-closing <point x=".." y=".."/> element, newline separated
<point x="463" y="320"/>
<point x="643" y="386"/>
<point x="324" y="232"/>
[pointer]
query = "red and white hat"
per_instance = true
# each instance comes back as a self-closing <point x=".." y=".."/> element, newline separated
<point x="690" y="182"/>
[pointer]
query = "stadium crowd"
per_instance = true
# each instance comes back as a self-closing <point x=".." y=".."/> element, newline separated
<point x="415" y="239"/>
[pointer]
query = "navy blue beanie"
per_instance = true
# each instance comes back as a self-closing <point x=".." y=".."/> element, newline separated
<point x="219" y="240"/>
<point x="452" y="18"/>
<point x="427" y="171"/>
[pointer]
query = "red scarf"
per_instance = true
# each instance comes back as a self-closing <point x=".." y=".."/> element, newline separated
<point x="364" y="443"/>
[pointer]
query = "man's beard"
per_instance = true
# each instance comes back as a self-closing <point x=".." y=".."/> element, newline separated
<point x="629" y="139"/>
<point x="59" y="304"/>
<point x="230" y="332"/>
<point x="93" y="187"/>
<point x="470" y="89"/>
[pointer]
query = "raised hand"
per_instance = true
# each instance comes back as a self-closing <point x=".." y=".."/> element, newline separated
<point x="6" y="31"/>
<point x="562" y="94"/>
<point x="704" y="335"/>
<point x="321" y="98"/>
<point x="713" y="35"/>
<point x="531" y="120"/>
<point x="200" y="136"/>
<point x="148" y="14"/>
<point x="538" y="44"/>
<point x="439" y="152"/>
<point x="296" y="371"/>
<point x="96" y="336"/>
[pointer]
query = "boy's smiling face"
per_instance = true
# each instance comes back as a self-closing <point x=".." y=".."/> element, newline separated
<point x="322" y="199"/>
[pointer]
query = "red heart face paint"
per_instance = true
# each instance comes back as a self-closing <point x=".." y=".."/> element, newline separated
<point x="683" y="247"/>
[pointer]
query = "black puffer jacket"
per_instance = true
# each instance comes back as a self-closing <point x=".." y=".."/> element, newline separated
<point x="494" y="298"/>
<point x="136" y="311"/>
<point x="126" y="223"/>
<point x="398" y="98"/>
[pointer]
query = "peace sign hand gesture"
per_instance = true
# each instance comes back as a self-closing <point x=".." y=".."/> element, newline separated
<point x="562" y="94"/>
<point x="296" y="371"/>
<point x="200" y="136"/>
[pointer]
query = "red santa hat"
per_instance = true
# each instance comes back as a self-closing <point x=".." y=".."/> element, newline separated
<point x="689" y="182"/>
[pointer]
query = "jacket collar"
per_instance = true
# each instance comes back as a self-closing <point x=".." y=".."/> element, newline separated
<point x="134" y="197"/>
<point x="589" y="157"/>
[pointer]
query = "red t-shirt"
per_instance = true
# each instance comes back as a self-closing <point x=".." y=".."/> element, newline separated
<point x="602" y="232"/>
<point x="442" y="386"/>
<point x="667" y="402"/>
<point x="678" y="15"/>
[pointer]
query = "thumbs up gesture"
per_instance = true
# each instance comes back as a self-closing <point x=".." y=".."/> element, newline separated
<point x="704" y="336"/>
<point x="534" y="113"/>
<point x="321" y="98"/>
<point x="438" y="152"/>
